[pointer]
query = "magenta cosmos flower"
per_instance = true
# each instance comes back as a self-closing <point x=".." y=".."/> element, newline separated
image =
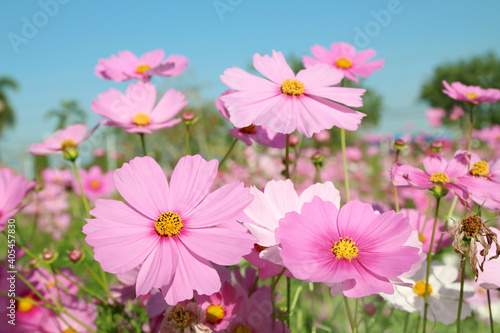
<point x="490" y="277"/>
<point x="126" y="66"/>
<point x="136" y="112"/>
<point x="13" y="189"/>
<point x="64" y="141"/>
<point x="471" y="94"/>
<point x="260" y="134"/>
<point x="96" y="184"/>
<point x="343" y="57"/>
<point x="172" y="230"/>
<point x="353" y="246"/>
<point x="287" y="102"/>
<point x="483" y="181"/>
<point x="439" y="175"/>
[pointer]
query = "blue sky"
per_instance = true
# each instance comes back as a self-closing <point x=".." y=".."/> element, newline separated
<point x="57" y="61"/>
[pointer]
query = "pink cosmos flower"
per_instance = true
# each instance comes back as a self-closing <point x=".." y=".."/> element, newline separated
<point x="222" y="307"/>
<point x="13" y="189"/>
<point x="268" y="207"/>
<point x="61" y="177"/>
<point x="135" y="111"/>
<point x="173" y="231"/>
<point x="126" y="66"/>
<point x="456" y="113"/>
<point x="483" y="181"/>
<point x="64" y="140"/>
<point x="86" y="313"/>
<point x="490" y="277"/>
<point x="322" y="136"/>
<point x="417" y="221"/>
<point x="353" y="246"/>
<point x="287" y="102"/>
<point x="438" y="172"/>
<point x="343" y="57"/>
<point x="435" y="116"/>
<point x="471" y="94"/>
<point x="96" y="184"/>
<point x="260" y="134"/>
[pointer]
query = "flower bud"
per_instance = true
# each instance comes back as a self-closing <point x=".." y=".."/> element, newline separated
<point x="188" y="118"/>
<point x="436" y="146"/>
<point x="370" y="309"/>
<point x="75" y="255"/>
<point x="317" y="158"/>
<point x="400" y="144"/>
<point x="293" y="140"/>
<point x="48" y="255"/>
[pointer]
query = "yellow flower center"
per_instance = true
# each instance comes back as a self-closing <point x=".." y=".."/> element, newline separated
<point x="292" y="87"/>
<point x="249" y="129"/>
<point x="95" y="184"/>
<point x="141" y="69"/>
<point x="24" y="306"/>
<point x="480" y="168"/>
<point x="472" y="95"/>
<point x="168" y="224"/>
<point x="141" y="119"/>
<point x="180" y="317"/>
<point x="215" y="313"/>
<point x="68" y="330"/>
<point x="345" y="248"/>
<point x="67" y="144"/>
<point x="343" y="63"/>
<point x="439" y="178"/>
<point x="419" y="288"/>
<point x="241" y="328"/>
<point x="50" y="285"/>
<point x="421" y="237"/>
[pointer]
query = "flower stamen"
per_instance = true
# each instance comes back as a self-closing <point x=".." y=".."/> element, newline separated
<point x="249" y="129"/>
<point x="141" y="69"/>
<point x="180" y="317"/>
<point x="292" y="87"/>
<point x="345" y="248"/>
<point x="241" y="328"/>
<point x="141" y="119"/>
<point x="480" y="168"/>
<point x="215" y="313"/>
<point x="68" y="144"/>
<point x="343" y="63"/>
<point x="168" y="224"/>
<point x="439" y="178"/>
<point x="419" y="288"/>
<point x="472" y="96"/>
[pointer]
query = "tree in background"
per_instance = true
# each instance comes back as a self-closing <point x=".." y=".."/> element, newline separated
<point x="483" y="71"/>
<point x="70" y="112"/>
<point x="7" y="114"/>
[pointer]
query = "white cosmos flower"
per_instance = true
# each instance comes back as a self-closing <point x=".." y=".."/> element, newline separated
<point x="443" y="298"/>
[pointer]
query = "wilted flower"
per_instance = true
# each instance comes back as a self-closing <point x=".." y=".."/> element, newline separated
<point x="471" y="229"/>
<point x="184" y="319"/>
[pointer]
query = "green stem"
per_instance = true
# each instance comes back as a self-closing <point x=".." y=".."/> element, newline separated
<point x="82" y="193"/>
<point x="82" y="287"/>
<point x="489" y="308"/>
<point x="228" y="152"/>
<point x="101" y="283"/>
<point x="288" y="299"/>
<point x="471" y="128"/>
<point x="254" y="285"/>
<point x="187" y="139"/>
<point x="407" y="319"/>
<point x="318" y="173"/>
<point x="287" y="157"/>
<point x="429" y="259"/>
<point x="448" y="217"/>
<point x="143" y="144"/>
<point x="344" y="163"/>
<point x="396" y="200"/>
<point x="349" y="315"/>
<point x="273" y="286"/>
<point x="462" y="279"/>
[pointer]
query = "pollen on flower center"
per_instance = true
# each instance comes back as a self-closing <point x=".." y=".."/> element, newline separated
<point x="480" y="168"/>
<point x="67" y="144"/>
<point x="95" y="184"/>
<point x="471" y="225"/>
<point x="168" y="224"/>
<point x="345" y="248"/>
<point x="141" y="69"/>
<point x="292" y="87"/>
<point x="343" y="63"/>
<point x="249" y="129"/>
<point x="439" y="178"/>
<point x="141" y="119"/>
<point x="472" y="95"/>
<point x="241" y="328"/>
<point x="68" y="330"/>
<point x="215" y="313"/>
<point x="180" y="317"/>
<point x="25" y="306"/>
<point x="421" y="237"/>
<point x="419" y="288"/>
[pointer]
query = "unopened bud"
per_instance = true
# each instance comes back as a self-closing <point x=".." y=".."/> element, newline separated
<point x="370" y="309"/>
<point x="188" y="118"/>
<point x="32" y="262"/>
<point x="47" y="255"/>
<point x="317" y="158"/>
<point x="75" y="255"/>
<point x="436" y="146"/>
<point x="293" y="140"/>
<point x="400" y="144"/>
